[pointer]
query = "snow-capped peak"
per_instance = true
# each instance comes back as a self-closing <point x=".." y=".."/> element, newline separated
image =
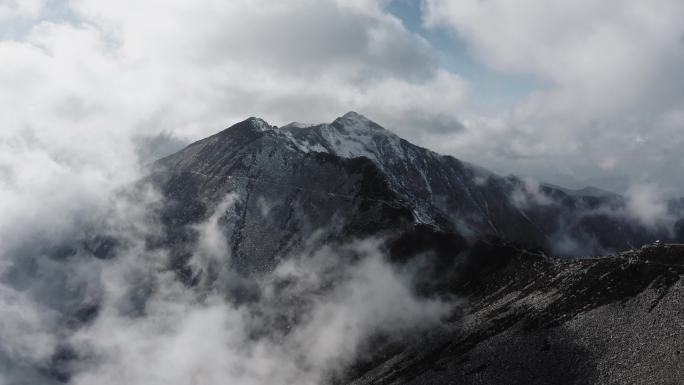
<point x="259" y="124"/>
<point x="353" y="117"/>
<point x="355" y="122"/>
<point x="351" y="135"/>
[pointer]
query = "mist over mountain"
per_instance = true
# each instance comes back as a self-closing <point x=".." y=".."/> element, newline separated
<point x="341" y="253"/>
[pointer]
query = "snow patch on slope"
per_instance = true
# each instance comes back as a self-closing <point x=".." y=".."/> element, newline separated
<point x="351" y="135"/>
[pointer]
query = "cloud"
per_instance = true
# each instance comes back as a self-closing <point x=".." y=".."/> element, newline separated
<point x="528" y="193"/>
<point x="157" y="146"/>
<point x="646" y="204"/>
<point x="612" y="86"/>
<point x="25" y="329"/>
<point x="373" y="299"/>
<point x="580" y="223"/>
<point x="129" y="318"/>
<point x="301" y="332"/>
<point x="212" y="249"/>
<point x="15" y="9"/>
<point x="189" y="70"/>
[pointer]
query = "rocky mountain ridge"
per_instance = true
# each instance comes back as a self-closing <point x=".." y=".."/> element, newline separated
<point x="358" y="178"/>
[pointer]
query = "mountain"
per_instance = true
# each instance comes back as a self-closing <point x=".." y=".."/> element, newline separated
<point x="353" y="178"/>
<point x="527" y="318"/>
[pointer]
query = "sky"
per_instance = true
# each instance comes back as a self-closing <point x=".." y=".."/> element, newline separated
<point x="575" y="93"/>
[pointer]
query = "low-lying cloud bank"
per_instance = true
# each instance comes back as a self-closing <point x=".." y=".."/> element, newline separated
<point x="127" y="317"/>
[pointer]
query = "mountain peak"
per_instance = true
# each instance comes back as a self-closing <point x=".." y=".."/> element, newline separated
<point x="249" y="124"/>
<point x="355" y="121"/>
<point x="258" y="123"/>
<point x="353" y="115"/>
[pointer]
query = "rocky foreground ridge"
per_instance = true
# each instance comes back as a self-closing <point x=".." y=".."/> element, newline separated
<point x="531" y="319"/>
